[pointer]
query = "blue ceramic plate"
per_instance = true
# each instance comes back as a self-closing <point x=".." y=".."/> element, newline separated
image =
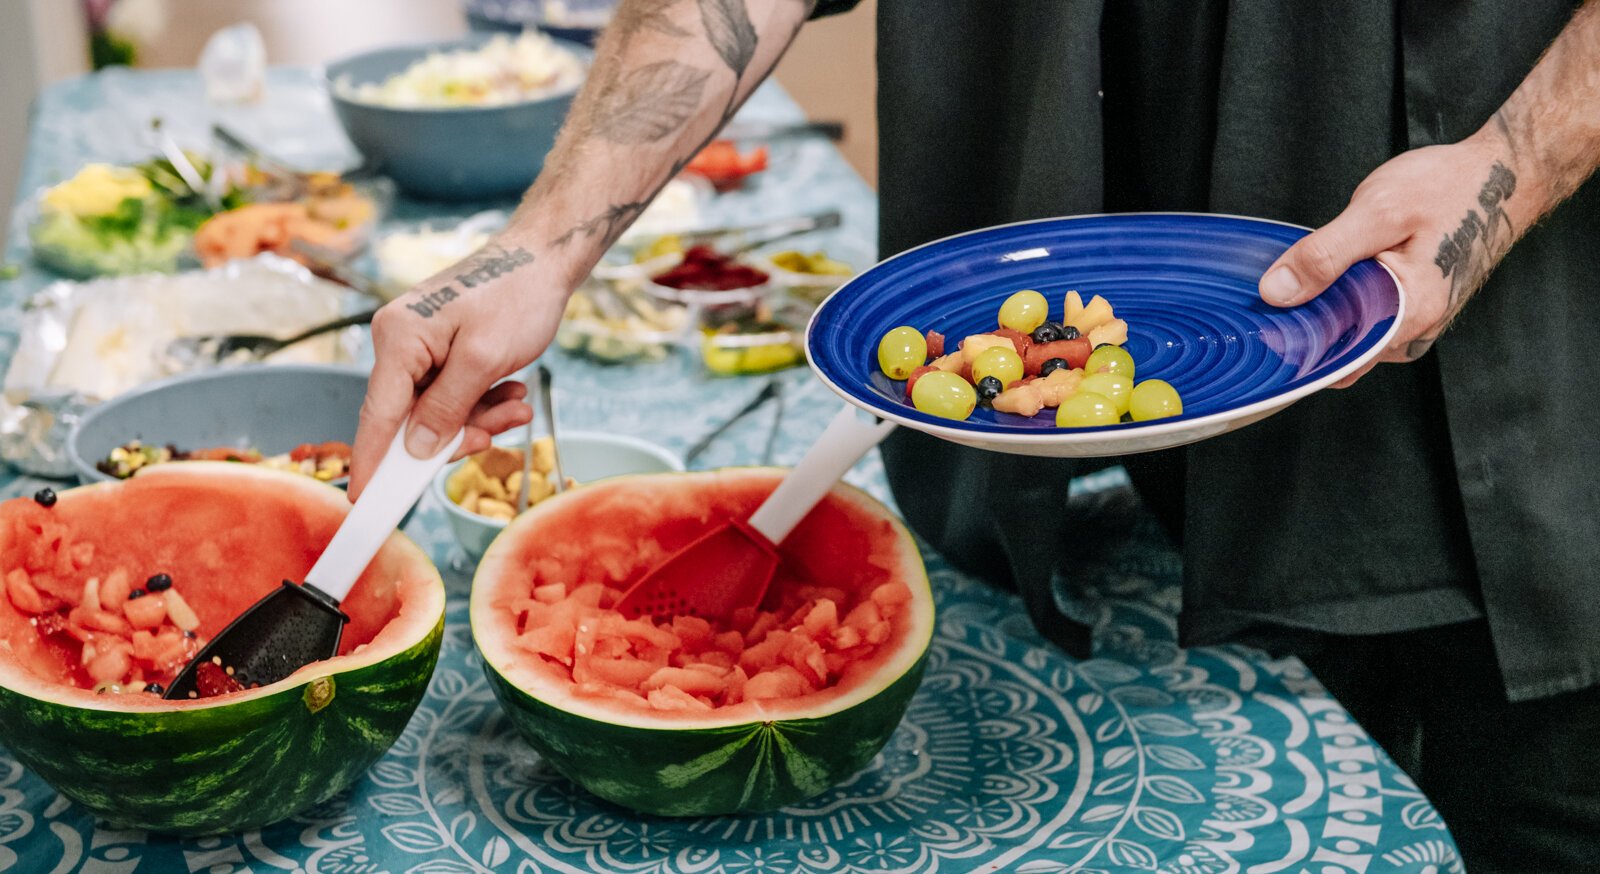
<point x="1185" y="284"/>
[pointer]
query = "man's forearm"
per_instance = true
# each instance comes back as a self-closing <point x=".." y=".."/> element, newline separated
<point x="1550" y="126"/>
<point x="667" y="75"/>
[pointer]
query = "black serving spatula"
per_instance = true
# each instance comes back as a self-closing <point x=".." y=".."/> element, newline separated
<point x="301" y="623"/>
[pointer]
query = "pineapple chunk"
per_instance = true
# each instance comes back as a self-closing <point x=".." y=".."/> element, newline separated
<point x="1073" y="307"/>
<point x="1059" y="385"/>
<point x="977" y="343"/>
<point x="1114" y="332"/>
<point x="1023" y="400"/>
<point x="1095" y="313"/>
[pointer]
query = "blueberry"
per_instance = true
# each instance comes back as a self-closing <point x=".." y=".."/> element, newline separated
<point x="158" y="583"/>
<point x="189" y="635"/>
<point x="157" y="688"/>
<point x="1068" y="332"/>
<point x="1052" y="366"/>
<point x="137" y="593"/>
<point x="46" y="497"/>
<point x="1049" y="332"/>
<point x="988" y="387"/>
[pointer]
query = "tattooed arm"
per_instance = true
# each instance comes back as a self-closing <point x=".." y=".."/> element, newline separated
<point x="667" y="75"/>
<point x="1441" y="217"/>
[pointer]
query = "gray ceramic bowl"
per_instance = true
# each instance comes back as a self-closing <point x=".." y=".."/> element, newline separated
<point x="456" y="154"/>
<point x="585" y="457"/>
<point x="273" y="408"/>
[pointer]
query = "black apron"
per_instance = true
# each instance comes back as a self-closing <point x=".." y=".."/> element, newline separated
<point x="1456" y="487"/>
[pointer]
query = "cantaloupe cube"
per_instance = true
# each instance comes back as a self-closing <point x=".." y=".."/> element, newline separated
<point x="1023" y="399"/>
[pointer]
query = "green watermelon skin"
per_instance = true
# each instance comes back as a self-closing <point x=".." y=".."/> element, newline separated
<point x="241" y="765"/>
<point x="749" y="768"/>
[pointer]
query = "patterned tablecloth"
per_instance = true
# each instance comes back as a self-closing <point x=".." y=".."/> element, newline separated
<point x="1012" y="758"/>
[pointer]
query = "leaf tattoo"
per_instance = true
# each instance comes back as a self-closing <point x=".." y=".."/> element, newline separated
<point x="649" y="103"/>
<point x="610" y="223"/>
<point x="730" y="31"/>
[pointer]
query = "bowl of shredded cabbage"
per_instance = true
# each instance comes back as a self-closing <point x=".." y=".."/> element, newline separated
<point x="470" y="119"/>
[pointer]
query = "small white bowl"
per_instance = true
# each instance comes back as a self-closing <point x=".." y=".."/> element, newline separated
<point x="586" y="456"/>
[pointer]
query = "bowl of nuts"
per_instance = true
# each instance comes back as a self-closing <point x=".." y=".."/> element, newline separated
<point x="479" y="493"/>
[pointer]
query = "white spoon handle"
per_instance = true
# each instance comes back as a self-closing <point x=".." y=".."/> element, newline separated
<point x="847" y="438"/>
<point x="393" y="489"/>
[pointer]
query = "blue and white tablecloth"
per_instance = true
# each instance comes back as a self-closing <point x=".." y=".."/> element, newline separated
<point x="1013" y="757"/>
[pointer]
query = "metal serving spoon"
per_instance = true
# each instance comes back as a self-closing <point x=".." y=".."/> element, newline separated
<point x="220" y="347"/>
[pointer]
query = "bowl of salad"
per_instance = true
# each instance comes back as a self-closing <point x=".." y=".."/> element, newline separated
<point x="109" y="220"/>
<point x="470" y="119"/>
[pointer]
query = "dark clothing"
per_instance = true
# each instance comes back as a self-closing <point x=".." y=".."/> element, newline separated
<point x="1515" y="782"/>
<point x="1426" y="541"/>
<point x="1424" y="496"/>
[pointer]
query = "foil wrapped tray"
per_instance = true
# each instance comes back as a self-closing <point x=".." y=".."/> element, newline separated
<point x="82" y="343"/>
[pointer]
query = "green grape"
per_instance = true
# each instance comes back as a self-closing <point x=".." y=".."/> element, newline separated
<point x="1154" y="399"/>
<point x="1110" y="359"/>
<point x="901" y="351"/>
<point x="1114" y="386"/>
<point x="1001" y="362"/>
<point x="944" y="394"/>
<point x="1085" y="409"/>
<point x="1024" y="311"/>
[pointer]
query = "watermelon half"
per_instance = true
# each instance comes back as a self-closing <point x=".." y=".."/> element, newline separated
<point x="681" y="719"/>
<point x="225" y="534"/>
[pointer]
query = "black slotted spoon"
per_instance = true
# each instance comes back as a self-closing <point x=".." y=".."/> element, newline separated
<point x="301" y="623"/>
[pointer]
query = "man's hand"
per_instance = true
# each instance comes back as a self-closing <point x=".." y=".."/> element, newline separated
<point x="1442" y="217"/>
<point x="1438" y="217"/>
<point x="450" y="338"/>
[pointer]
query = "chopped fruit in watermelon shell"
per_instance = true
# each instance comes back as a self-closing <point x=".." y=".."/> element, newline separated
<point x="224" y="534"/>
<point x="690" y="718"/>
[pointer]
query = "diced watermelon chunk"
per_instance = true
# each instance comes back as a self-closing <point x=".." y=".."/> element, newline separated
<point x="550" y="592"/>
<point x="147" y="612"/>
<point x="822" y="618"/>
<point x="1020" y="341"/>
<point x="692" y="682"/>
<point x="780" y="682"/>
<point x="673" y="698"/>
<point x="891" y="595"/>
<point x="935" y="344"/>
<point x="696" y="633"/>
<point x="628" y="673"/>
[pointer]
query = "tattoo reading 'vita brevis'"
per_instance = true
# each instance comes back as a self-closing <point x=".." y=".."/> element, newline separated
<point x="492" y="263"/>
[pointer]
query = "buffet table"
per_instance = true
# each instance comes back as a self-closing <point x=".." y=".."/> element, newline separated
<point x="1013" y="757"/>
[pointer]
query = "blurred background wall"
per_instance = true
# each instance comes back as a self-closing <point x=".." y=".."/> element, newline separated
<point x="829" y="70"/>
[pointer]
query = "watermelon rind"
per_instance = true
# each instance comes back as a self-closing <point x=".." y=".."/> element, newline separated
<point x="726" y="762"/>
<point x="242" y="761"/>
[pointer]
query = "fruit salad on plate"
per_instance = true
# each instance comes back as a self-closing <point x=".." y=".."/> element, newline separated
<point x="1076" y="367"/>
